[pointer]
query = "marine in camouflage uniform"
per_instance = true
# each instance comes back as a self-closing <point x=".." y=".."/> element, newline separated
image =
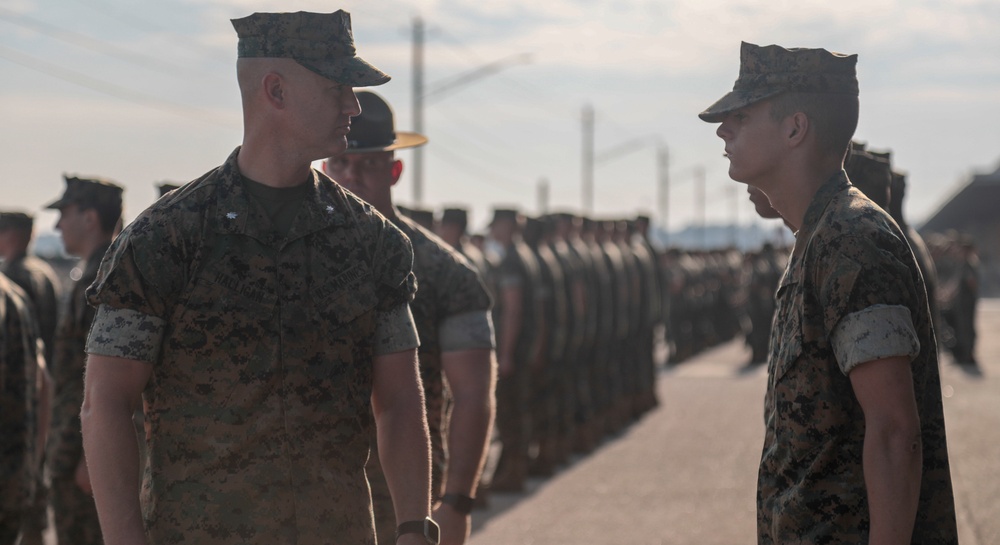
<point x="19" y="456"/>
<point x="650" y="314"/>
<point x="575" y="293"/>
<point x="516" y="314"/>
<point x="852" y="341"/>
<point x="592" y="281"/>
<point x="547" y="394"/>
<point x="41" y="286"/>
<point x="89" y="211"/>
<point x="922" y="254"/>
<point x="266" y="322"/>
<point x="451" y="311"/>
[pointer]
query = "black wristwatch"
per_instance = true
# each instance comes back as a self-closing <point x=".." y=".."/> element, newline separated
<point x="427" y="528"/>
<point x="459" y="502"/>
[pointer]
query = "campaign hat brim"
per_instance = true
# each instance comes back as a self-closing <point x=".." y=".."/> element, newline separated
<point x="403" y="140"/>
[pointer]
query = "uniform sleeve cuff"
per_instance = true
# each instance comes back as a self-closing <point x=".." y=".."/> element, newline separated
<point x="395" y="331"/>
<point x="126" y="333"/>
<point x="467" y="331"/>
<point x="877" y="332"/>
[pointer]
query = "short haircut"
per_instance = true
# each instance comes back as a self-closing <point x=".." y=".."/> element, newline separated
<point x="834" y="117"/>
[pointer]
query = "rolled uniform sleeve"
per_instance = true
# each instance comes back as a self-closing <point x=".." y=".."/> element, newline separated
<point x="395" y="330"/>
<point x="396" y="285"/>
<point x="467" y="323"/>
<point x="467" y="331"/>
<point x="132" y="292"/>
<point x="866" y="297"/>
<point x="126" y="333"/>
<point x="877" y="332"/>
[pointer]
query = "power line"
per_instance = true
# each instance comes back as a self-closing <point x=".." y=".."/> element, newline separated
<point x="99" y="46"/>
<point x="141" y="23"/>
<point x="111" y="89"/>
<point x="477" y="172"/>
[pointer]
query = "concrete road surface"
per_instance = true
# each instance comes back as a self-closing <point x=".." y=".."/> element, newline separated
<point x="686" y="473"/>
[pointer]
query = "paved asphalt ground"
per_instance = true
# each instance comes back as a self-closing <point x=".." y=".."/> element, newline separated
<point x="686" y="473"/>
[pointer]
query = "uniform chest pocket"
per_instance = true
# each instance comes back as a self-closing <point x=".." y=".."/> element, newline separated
<point x="786" y="336"/>
<point x="348" y="299"/>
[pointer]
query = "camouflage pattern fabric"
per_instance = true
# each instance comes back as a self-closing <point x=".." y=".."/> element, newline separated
<point x="322" y="42"/>
<point x="261" y="345"/>
<point x="518" y="267"/>
<point x="771" y="70"/>
<point x="849" y="256"/>
<point x="18" y="409"/>
<point x="449" y="287"/>
<point x="39" y="282"/>
<point x="65" y="443"/>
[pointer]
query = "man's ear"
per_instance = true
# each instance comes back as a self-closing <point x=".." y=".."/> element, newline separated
<point x="796" y="128"/>
<point x="90" y="218"/>
<point x="397" y="170"/>
<point x="274" y="89"/>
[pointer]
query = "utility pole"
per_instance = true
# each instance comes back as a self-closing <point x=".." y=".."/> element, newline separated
<point x="663" y="177"/>
<point x="543" y="196"/>
<point x="587" y="166"/>
<point x="418" y="107"/>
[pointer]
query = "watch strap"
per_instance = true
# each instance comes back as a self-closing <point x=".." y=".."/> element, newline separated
<point x="426" y="527"/>
<point x="459" y="502"/>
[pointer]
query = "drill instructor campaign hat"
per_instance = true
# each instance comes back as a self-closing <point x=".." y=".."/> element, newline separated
<point x="321" y="42"/>
<point x="771" y="70"/>
<point x="374" y="130"/>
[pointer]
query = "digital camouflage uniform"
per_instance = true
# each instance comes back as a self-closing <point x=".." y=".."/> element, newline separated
<point x="451" y="311"/>
<point x="546" y="392"/>
<point x="39" y="282"/>
<point x="75" y="514"/>
<point x="18" y="409"/>
<point x="518" y="268"/>
<point x="261" y="348"/>
<point x="851" y="293"/>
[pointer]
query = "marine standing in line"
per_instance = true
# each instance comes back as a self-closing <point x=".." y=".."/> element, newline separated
<point x="518" y="331"/>
<point x="20" y="424"/>
<point x="88" y="213"/>
<point x="262" y="312"/>
<point x="855" y="448"/>
<point x="452" y="313"/>
<point x="41" y="286"/>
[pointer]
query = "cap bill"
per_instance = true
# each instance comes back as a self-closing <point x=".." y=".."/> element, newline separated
<point x="353" y="71"/>
<point x="734" y="100"/>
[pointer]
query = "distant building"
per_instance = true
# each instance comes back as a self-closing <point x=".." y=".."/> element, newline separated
<point x="975" y="211"/>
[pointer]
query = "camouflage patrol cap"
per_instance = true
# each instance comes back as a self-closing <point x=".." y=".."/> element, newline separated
<point x="16" y="220"/>
<point x="770" y="70"/>
<point x="505" y="214"/>
<point x="871" y="174"/>
<point x="424" y="218"/>
<point x="456" y="216"/>
<point x="374" y="129"/>
<point x="166" y="187"/>
<point x="89" y="192"/>
<point x="321" y="42"/>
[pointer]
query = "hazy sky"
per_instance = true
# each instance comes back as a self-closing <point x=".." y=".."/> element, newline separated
<point x="142" y="92"/>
